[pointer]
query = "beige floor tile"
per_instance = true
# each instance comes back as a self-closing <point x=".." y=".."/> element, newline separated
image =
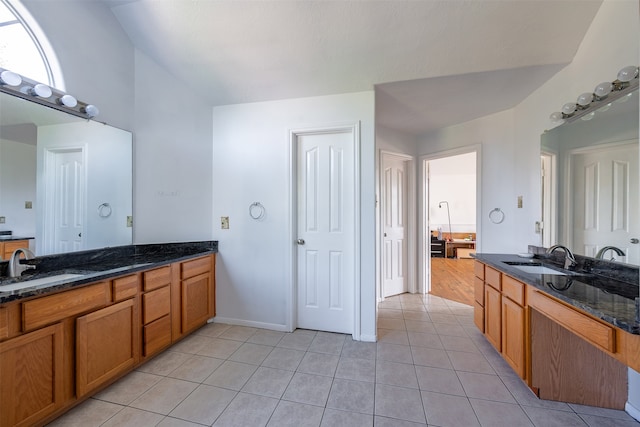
<point x="336" y="418"/>
<point x="450" y="329"/>
<point x="164" y="363"/>
<point x="325" y="342"/>
<point x="439" y="380"/>
<point x="421" y="316"/>
<point x="292" y="414"/>
<point x="308" y="389"/>
<point x="297" y="340"/>
<point x="394" y="353"/>
<point x="458" y="344"/>
<point x="390" y="313"/>
<point x="359" y="349"/>
<point x="600" y="412"/>
<point x="419" y="326"/>
<point x="204" y="404"/>
<point x="247" y="410"/>
<point x="268" y="382"/>
<point x="483" y="386"/>
<point x="192" y="344"/>
<point x="253" y="354"/>
<point x="542" y="417"/>
<point x="266" y="337"/>
<point x="397" y="374"/>
<point x="129" y="388"/>
<point x="219" y="348"/>
<point x="470" y="362"/>
<point x="596" y="421"/>
<point x="392" y="422"/>
<point x="393" y="336"/>
<point x="524" y="396"/>
<point x="396" y="324"/>
<point x="443" y="318"/>
<point x="175" y="422"/>
<point x="499" y="414"/>
<point x="132" y="417"/>
<point x="421" y="339"/>
<point x="89" y="413"/>
<point x="433" y="357"/>
<point x="448" y="411"/>
<point x="284" y="358"/>
<point x="212" y="330"/>
<point x="394" y="305"/>
<point x="355" y="396"/>
<point x="356" y="369"/>
<point x="400" y="403"/>
<point x="238" y="333"/>
<point x="163" y="397"/>
<point x="231" y="375"/>
<point x="319" y="364"/>
<point x="414" y="306"/>
<point x="196" y="369"/>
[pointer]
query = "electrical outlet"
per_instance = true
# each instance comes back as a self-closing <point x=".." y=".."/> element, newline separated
<point x="519" y="202"/>
<point x="28" y="205"/>
<point x="224" y="222"/>
<point x="129" y="221"/>
<point x="2" y="220"/>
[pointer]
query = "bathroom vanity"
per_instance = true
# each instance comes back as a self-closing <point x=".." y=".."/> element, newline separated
<point x="92" y="317"/>
<point x="569" y="335"/>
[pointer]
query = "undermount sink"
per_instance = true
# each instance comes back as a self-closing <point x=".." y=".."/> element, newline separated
<point x="540" y="269"/>
<point x="38" y="282"/>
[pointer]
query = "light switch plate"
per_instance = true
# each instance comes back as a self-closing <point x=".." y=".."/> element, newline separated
<point x="2" y="220"/>
<point x="519" y="202"/>
<point x="224" y="222"/>
<point x="28" y="205"/>
<point x="129" y="221"/>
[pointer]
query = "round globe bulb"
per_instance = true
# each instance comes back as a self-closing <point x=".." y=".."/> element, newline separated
<point x="556" y="116"/>
<point x="10" y="78"/>
<point x="91" y="110"/>
<point x="68" y="101"/>
<point x="603" y="89"/>
<point x="43" y="91"/>
<point x="628" y="73"/>
<point x="569" y="108"/>
<point x="585" y="99"/>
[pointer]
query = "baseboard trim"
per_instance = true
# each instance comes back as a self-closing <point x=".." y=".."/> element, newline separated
<point x="250" y="323"/>
<point x="632" y="410"/>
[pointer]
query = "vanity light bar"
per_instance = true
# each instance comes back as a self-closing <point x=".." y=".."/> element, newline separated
<point x="604" y="94"/>
<point x="23" y="87"/>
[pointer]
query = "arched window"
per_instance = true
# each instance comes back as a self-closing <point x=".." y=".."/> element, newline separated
<point x="24" y="48"/>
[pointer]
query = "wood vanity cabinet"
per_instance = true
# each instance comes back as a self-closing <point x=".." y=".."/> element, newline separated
<point x="31" y="376"/>
<point x="156" y="310"/>
<point x="194" y="295"/>
<point x="7" y="248"/>
<point x="478" y="293"/>
<point x="493" y="307"/>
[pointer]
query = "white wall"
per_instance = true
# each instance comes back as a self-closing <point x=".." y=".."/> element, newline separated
<point x="17" y="185"/>
<point x="172" y="159"/>
<point x="251" y="162"/>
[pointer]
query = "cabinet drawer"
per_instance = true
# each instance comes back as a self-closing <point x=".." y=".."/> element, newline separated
<point x="156" y="304"/>
<point x="50" y="309"/>
<point x="478" y="316"/>
<point x="157" y="278"/>
<point x="196" y="267"/>
<point x="157" y="335"/>
<point x="493" y="278"/>
<point x="478" y="270"/>
<point x="513" y="289"/>
<point x="125" y="287"/>
<point x="597" y="333"/>
<point x="478" y="291"/>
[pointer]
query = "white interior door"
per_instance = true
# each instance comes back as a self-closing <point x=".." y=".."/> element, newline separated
<point x="69" y="201"/>
<point x="325" y="231"/>
<point x="394" y="230"/>
<point x="606" y="201"/>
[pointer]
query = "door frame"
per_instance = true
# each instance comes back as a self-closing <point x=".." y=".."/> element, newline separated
<point x="549" y="232"/>
<point x="354" y="129"/>
<point x="410" y="197"/>
<point x="49" y="197"/>
<point x="424" y="246"/>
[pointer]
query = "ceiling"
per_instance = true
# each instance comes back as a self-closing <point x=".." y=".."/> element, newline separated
<point x="432" y="63"/>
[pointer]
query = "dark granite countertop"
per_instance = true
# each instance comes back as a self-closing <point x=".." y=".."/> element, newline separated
<point x="613" y="301"/>
<point x="98" y="264"/>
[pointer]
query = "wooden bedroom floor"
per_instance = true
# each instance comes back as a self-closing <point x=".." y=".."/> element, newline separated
<point x="452" y="279"/>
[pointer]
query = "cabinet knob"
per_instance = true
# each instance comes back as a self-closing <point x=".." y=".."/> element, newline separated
<point x="300" y="241"/>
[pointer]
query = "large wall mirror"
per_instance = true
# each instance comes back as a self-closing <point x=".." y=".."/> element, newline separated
<point x="590" y="182"/>
<point x="64" y="180"/>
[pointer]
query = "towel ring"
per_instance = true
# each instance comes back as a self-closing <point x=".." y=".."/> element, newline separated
<point x="496" y="216"/>
<point x="104" y="210"/>
<point x="256" y="210"/>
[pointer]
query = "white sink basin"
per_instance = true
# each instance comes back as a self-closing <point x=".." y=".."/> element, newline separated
<point x="38" y="282"/>
<point x="539" y="269"/>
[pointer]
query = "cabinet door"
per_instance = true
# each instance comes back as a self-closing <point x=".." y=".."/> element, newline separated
<point x="106" y="344"/>
<point x="31" y="384"/>
<point x="513" y="335"/>
<point x="197" y="302"/>
<point x="492" y="316"/>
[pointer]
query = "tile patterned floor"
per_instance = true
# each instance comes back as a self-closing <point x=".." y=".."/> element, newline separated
<point x="431" y="366"/>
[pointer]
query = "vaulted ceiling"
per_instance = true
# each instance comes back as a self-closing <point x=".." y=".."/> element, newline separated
<point x="433" y="63"/>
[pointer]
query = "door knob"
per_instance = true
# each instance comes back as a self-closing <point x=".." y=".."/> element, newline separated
<point x="634" y="240"/>
<point x="300" y="241"/>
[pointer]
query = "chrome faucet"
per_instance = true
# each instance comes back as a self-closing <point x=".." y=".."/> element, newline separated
<point x="15" y="268"/>
<point x="569" y="259"/>
<point x="601" y="252"/>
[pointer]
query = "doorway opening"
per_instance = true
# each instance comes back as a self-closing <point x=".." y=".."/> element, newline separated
<point x="450" y="218"/>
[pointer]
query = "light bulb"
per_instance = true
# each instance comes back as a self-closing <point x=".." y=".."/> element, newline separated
<point x="569" y="108"/>
<point x="43" y="91"/>
<point x="91" y="110"/>
<point x="556" y="117"/>
<point x="10" y="78"/>
<point x="628" y="73"/>
<point x="585" y="99"/>
<point x="603" y="89"/>
<point x="67" y="101"/>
